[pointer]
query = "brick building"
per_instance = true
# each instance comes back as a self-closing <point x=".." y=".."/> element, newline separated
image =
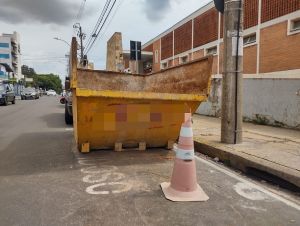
<point x="271" y="57"/>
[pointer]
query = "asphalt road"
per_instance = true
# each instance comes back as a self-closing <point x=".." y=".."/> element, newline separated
<point x="45" y="181"/>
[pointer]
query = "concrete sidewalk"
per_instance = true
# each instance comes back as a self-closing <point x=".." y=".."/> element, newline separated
<point x="267" y="150"/>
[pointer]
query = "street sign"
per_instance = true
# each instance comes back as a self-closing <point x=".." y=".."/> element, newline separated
<point x="219" y="5"/>
<point x="135" y="50"/>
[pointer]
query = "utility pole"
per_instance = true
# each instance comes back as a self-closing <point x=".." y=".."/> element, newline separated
<point x="81" y="42"/>
<point x="232" y="83"/>
<point x="81" y="35"/>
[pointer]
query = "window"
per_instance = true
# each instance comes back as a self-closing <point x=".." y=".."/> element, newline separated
<point x="250" y="39"/>
<point x="164" y="65"/>
<point x="156" y="56"/>
<point x="4" y="45"/>
<point x="211" y="51"/>
<point x="183" y="59"/>
<point x="4" y="56"/>
<point x="295" y="25"/>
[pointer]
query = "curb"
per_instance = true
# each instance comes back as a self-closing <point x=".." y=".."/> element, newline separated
<point x="247" y="164"/>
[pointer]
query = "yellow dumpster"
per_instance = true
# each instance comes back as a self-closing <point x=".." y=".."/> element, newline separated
<point x="114" y="110"/>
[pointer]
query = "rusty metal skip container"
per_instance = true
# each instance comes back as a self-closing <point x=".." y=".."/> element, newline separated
<point x="114" y="110"/>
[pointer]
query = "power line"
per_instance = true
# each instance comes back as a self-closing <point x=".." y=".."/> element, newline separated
<point x="101" y="26"/>
<point x="97" y="34"/>
<point x="100" y="18"/>
<point x="80" y="11"/>
<point x="111" y="19"/>
<point x="79" y="14"/>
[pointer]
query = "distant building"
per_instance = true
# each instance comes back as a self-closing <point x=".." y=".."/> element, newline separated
<point x="10" y="54"/>
<point x="271" y="57"/>
<point x="114" y="59"/>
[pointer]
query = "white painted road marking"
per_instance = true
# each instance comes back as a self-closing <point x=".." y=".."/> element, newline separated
<point x="250" y="184"/>
<point x="124" y="187"/>
<point x="100" y="177"/>
<point x="249" y="192"/>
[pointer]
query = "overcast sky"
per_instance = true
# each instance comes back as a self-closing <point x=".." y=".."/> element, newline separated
<point x="39" y="21"/>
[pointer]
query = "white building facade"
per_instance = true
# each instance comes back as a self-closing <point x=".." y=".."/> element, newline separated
<point x="10" y="54"/>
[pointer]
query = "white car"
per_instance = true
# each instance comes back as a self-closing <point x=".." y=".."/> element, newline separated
<point x="51" y="93"/>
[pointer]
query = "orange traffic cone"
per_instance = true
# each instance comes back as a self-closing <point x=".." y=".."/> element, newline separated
<point x="184" y="186"/>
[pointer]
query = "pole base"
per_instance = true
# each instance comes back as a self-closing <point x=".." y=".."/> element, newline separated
<point x="179" y="196"/>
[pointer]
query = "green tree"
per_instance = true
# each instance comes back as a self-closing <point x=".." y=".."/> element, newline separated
<point x="48" y="81"/>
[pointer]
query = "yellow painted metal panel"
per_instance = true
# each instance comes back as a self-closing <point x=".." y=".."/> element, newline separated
<point x="104" y="121"/>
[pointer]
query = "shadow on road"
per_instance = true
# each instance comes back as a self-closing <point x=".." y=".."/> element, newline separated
<point x="36" y="153"/>
<point x="55" y="120"/>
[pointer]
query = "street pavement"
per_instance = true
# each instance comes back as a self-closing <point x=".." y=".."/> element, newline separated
<point x="44" y="180"/>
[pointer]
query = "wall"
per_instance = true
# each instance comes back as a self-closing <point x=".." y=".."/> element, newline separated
<point x="272" y="101"/>
<point x="183" y="38"/>
<point x="266" y="101"/>
<point x="156" y="48"/>
<point x="167" y="46"/>
<point x="279" y="51"/>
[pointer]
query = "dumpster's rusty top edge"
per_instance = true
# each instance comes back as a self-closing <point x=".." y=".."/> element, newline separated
<point x="163" y="70"/>
<point x="139" y="95"/>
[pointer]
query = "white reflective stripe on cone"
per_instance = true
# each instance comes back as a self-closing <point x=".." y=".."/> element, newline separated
<point x="184" y="154"/>
<point x="186" y="132"/>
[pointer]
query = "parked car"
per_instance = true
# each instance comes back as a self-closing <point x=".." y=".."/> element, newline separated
<point x="51" y="92"/>
<point x="29" y="93"/>
<point x="7" y="94"/>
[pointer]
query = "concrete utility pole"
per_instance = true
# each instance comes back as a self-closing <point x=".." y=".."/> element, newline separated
<point x="81" y="42"/>
<point x="81" y="35"/>
<point x="232" y="83"/>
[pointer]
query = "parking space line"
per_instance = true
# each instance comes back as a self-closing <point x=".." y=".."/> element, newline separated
<point x="253" y="185"/>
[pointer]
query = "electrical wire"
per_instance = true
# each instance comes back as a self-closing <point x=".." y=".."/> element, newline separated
<point x="100" y="18"/>
<point x="78" y="15"/>
<point x="80" y="11"/>
<point x="111" y="19"/>
<point x="89" y="48"/>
